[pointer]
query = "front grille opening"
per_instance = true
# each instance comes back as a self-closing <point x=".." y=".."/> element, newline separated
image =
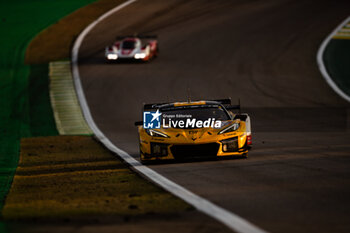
<point x="159" y="149"/>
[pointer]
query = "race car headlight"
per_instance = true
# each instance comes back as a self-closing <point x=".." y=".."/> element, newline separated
<point x="112" y="56"/>
<point x="230" y="145"/>
<point x="155" y="133"/>
<point x="139" y="55"/>
<point x="230" y="128"/>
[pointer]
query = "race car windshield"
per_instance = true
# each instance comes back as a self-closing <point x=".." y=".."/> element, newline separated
<point x="200" y="112"/>
<point x="128" y="44"/>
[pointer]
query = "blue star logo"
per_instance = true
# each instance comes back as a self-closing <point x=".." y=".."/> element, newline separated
<point x="151" y="120"/>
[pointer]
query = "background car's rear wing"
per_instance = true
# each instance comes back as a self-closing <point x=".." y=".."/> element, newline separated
<point x="138" y="36"/>
<point x="147" y="36"/>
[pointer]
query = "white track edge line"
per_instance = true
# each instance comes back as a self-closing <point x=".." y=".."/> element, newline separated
<point x="322" y="67"/>
<point x="230" y="219"/>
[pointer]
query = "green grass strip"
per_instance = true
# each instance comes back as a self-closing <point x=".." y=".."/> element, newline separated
<point x="20" y="21"/>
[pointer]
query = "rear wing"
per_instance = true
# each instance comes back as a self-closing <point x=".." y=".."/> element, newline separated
<point x="147" y="36"/>
<point x="152" y="106"/>
<point x="227" y="104"/>
<point x="138" y="36"/>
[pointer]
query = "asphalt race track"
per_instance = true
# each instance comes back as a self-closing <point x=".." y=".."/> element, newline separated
<point x="297" y="176"/>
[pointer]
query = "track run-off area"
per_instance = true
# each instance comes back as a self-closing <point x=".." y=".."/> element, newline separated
<point x="297" y="176"/>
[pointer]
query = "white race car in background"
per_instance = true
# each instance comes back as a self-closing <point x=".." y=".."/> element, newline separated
<point x="141" y="48"/>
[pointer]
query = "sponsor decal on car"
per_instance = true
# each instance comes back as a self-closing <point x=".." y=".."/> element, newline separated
<point x="156" y="120"/>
